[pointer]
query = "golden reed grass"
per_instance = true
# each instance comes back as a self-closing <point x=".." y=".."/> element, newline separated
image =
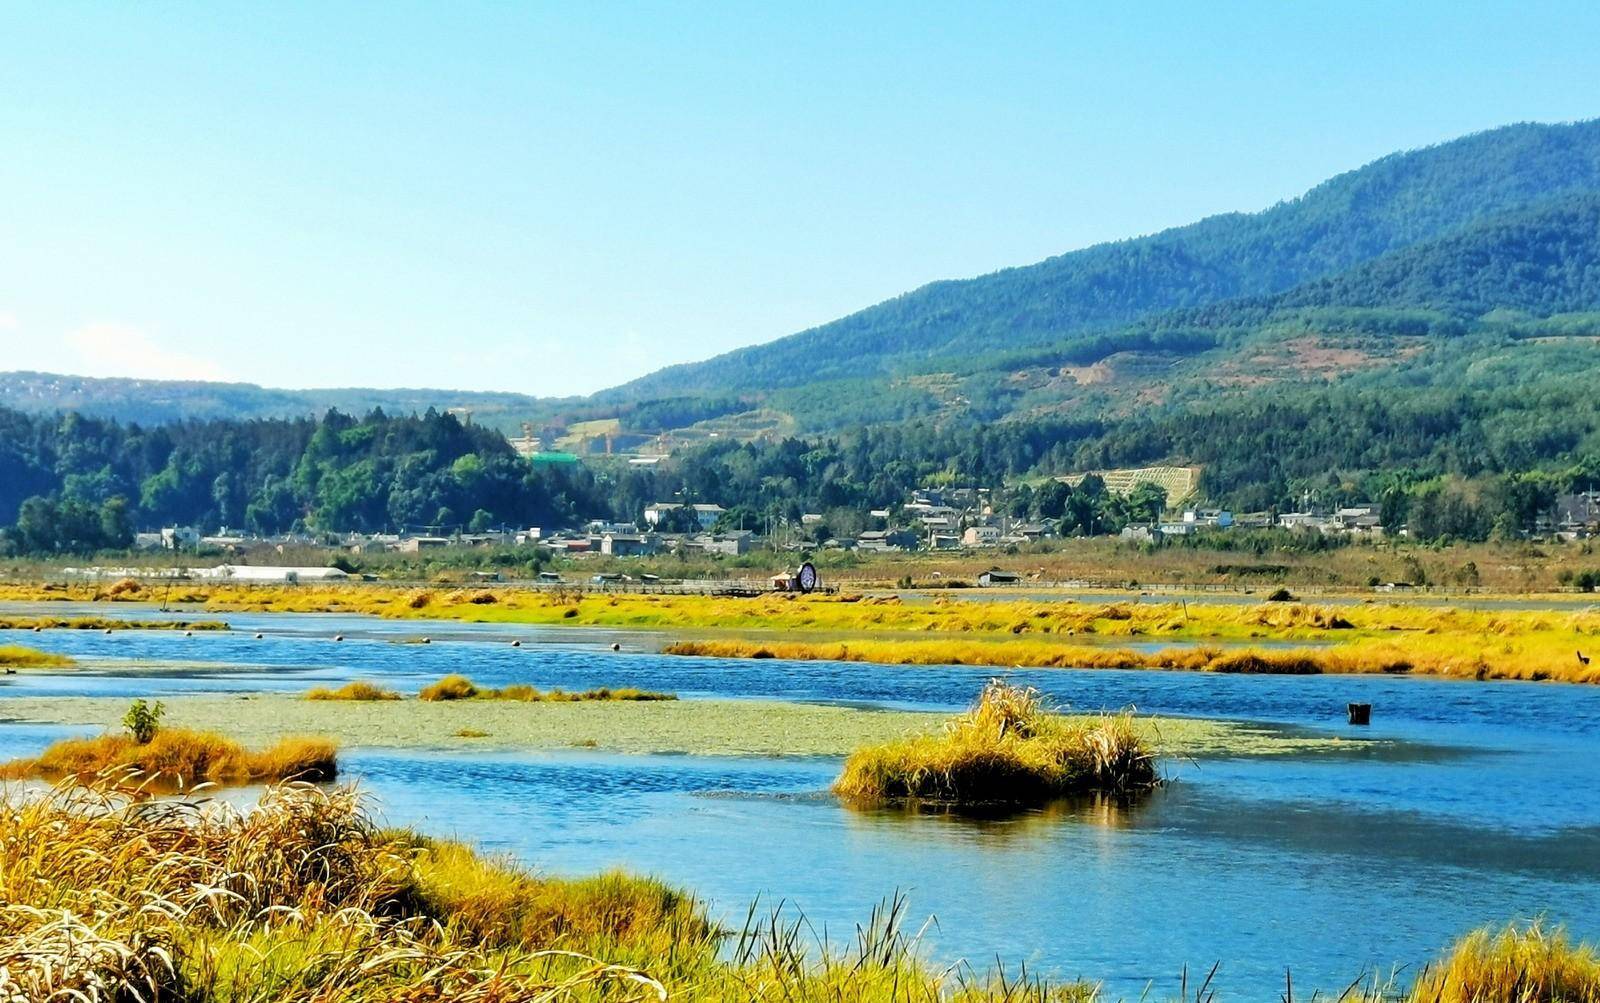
<point x="1365" y="637"/>
<point x="1008" y="749"/>
<point x="358" y="690"/>
<point x="1524" y="964"/>
<point x="179" y="757"/>
<point x="18" y="657"/>
<point x="1463" y="658"/>
<point x="107" y="896"/>
<point x="110" y="896"/>
<point x="459" y="687"/>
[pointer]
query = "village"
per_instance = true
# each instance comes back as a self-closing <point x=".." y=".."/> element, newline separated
<point x="931" y="521"/>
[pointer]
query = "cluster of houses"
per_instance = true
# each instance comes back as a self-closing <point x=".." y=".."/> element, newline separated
<point x="953" y="519"/>
<point x="1576" y="516"/>
<point x="1352" y="520"/>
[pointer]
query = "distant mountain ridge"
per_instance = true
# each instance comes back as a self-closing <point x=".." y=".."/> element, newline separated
<point x="1394" y="202"/>
<point x="1375" y="270"/>
<point x="162" y="401"/>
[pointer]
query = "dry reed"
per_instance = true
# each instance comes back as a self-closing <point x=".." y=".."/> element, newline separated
<point x="1008" y="749"/>
<point x="178" y="757"/>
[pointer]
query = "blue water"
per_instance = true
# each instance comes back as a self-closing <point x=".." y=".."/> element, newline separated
<point x="1480" y="808"/>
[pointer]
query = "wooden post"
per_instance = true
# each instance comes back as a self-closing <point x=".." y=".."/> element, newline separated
<point x="1360" y="713"/>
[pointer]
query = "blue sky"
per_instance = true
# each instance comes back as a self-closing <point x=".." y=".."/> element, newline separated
<point x="555" y="198"/>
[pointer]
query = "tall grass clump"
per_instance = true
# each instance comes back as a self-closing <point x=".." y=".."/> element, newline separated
<point x="1518" y="965"/>
<point x="110" y="897"/>
<point x="1008" y="749"/>
<point x="458" y="687"/>
<point x="359" y="690"/>
<point x="17" y="656"/>
<point x="179" y="757"/>
<point x="452" y="687"/>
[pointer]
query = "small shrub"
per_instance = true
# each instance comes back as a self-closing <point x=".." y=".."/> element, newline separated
<point x="143" y="720"/>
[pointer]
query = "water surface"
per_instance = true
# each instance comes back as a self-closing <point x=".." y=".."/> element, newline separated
<point x="1482" y="810"/>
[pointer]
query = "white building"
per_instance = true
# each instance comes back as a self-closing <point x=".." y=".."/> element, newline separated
<point x="268" y="573"/>
<point x="179" y="537"/>
<point x="706" y="515"/>
<point x="1220" y="518"/>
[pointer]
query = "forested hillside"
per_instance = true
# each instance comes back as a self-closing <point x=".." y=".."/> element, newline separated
<point x="1395" y="202"/>
<point x="1455" y="462"/>
<point x="93" y="482"/>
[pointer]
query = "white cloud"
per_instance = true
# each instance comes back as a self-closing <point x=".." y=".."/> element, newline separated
<point x="110" y="349"/>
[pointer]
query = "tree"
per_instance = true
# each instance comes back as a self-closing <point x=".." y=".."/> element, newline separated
<point x="1146" y="502"/>
<point x="116" y="528"/>
<point x="1050" y="501"/>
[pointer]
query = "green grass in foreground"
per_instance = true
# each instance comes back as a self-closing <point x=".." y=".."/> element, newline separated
<point x="1008" y="749"/>
<point x="109" y="898"/>
<point x="18" y="657"/>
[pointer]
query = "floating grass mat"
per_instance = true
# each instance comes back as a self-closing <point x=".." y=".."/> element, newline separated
<point x="16" y="656"/>
<point x="457" y="687"/>
<point x="694" y="727"/>
<point x="177" y="757"/>
<point x="103" y="623"/>
<point x="1008" y="749"/>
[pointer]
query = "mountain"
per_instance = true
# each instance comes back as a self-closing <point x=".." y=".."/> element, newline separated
<point x="161" y="401"/>
<point x="1485" y="300"/>
<point x="1459" y="261"/>
<point x="1392" y="203"/>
